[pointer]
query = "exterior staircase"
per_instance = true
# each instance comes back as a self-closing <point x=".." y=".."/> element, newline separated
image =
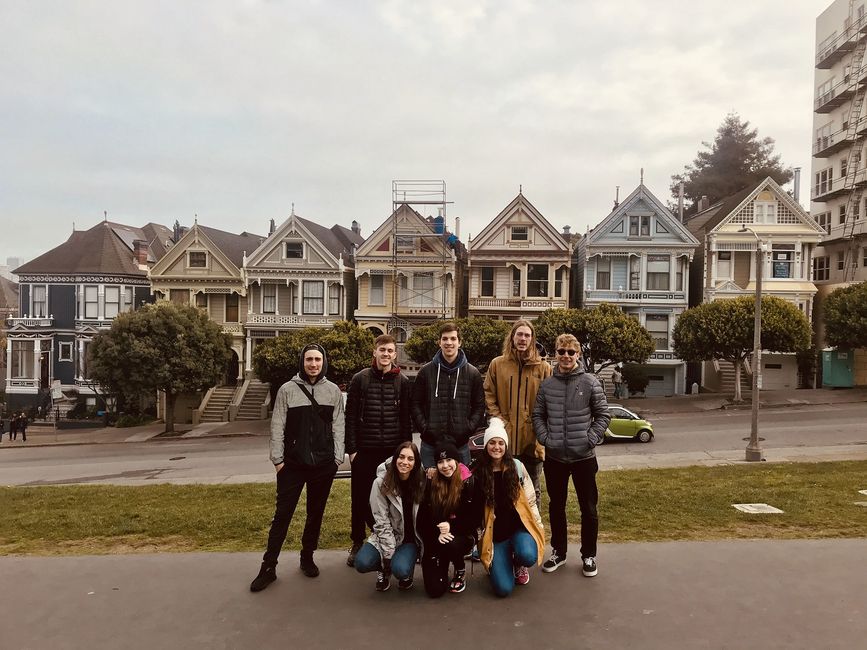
<point x="217" y="406"/>
<point x="727" y="380"/>
<point x="251" y="406"/>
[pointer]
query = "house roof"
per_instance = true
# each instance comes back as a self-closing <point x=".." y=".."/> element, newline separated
<point x="232" y="245"/>
<point x="107" y="249"/>
<point x="337" y="239"/>
<point x="8" y="294"/>
<point x="703" y="222"/>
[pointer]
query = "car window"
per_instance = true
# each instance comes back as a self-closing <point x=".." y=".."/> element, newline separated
<point x="618" y="413"/>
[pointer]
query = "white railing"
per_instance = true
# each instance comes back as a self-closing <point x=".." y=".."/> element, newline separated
<point x="275" y="319"/>
<point x="636" y="296"/>
<point x="33" y="321"/>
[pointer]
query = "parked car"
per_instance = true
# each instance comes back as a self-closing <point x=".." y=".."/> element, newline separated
<point x="627" y="425"/>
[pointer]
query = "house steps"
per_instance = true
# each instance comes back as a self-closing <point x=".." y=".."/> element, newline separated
<point x="727" y="379"/>
<point x="217" y="405"/>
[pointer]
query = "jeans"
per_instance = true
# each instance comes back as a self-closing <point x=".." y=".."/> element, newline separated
<point x="519" y="550"/>
<point x="428" y="460"/>
<point x="583" y="473"/>
<point x="290" y="481"/>
<point x="402" y="562"/>
<point x="363" y="474"/>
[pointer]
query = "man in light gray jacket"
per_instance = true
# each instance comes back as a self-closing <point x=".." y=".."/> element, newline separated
<point x="570" y="418"/>
<point x="307" y="438"/>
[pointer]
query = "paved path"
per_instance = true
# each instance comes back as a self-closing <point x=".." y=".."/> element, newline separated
<point x="730" y="594"/>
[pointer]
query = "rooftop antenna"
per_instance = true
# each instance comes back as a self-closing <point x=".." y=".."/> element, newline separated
<point x="195" y="218"/>
<point x="642" y="176"/>
<point x="105" y="216"/>
<point x="616" y="195"/>
<point x="293" y="208"/>
<point x="520" y="189"/>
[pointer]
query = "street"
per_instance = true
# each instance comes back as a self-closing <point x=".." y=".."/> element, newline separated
<point x="681" y="438"/>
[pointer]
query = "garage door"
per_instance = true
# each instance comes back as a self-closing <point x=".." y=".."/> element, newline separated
<point x="661" y="381"/>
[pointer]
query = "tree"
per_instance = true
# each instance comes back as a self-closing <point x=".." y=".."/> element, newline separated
<point x="606" y="334"/>
<point x="167" y="347"/>
<point x="737" y="158"/>
<point x="723" y="329"/>
<point x="481" y="340"/>
<point x="348" y="347"/>
<point x="846" y="317"/>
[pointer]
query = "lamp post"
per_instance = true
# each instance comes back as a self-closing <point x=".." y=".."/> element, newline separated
<point x="754" y="449"/>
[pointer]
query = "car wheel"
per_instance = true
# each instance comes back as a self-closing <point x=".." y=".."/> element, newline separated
<point x="644" y="436"/>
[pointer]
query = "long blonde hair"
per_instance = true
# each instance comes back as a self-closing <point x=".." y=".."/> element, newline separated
<point x="509" y="350"/>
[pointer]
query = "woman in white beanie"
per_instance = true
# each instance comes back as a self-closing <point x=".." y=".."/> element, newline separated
<point x="513" y="537"/>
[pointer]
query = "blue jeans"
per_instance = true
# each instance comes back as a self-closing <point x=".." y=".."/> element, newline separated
<point x="402" y="562"/>
<point x="519" y="550"/>
<point x="427" y="455"/>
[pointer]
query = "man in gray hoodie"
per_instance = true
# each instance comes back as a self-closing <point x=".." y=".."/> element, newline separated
<point x="307" y="438"/>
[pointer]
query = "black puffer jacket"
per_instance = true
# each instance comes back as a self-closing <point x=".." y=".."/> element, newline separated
<point x="377" y="417"/>
<point x="448" y="400"/>
<point x="571" y="415"/>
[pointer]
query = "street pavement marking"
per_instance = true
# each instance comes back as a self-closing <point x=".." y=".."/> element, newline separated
<point x="863" y="504"/>
<point x="864" y="492"/>
<point x="757" y="508"/>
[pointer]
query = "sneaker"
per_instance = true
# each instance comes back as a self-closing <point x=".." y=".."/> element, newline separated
<point x="589" y="567"/>
<point x="350" y="560"/>
<point x="459" y="582"/>
<point x="404" y="583"/>
<point x="382" y="581"/>
<point x="267" y="575"/>
<point x="308" y="567"/>
<point x="475" y="554"/>
<point x="522" y="575"/>
<point x="554" y="562"/>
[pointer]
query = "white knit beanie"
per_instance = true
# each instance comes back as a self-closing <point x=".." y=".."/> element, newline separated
<point x="496" y="429"/>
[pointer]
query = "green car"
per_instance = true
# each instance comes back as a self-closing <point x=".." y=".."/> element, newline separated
<point x="626" y="425"/>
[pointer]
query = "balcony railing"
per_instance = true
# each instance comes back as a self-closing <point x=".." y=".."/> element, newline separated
<point x="519" y="303"/>
<point x="279" y="319"/>
<point x="32" y="321"/>
<point x="827" y="190"/>
<point x="834" y="96"/>
<point x="833" y="48"/>
<point x="634" y="297"/>
<point x="432" y="310"/>
<point x="233" y="328"/>
<point x="22" y="383"/>
<point x="830" y="144"/>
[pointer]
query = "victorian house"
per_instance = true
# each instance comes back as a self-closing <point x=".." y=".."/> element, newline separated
<point x="725" y="264"/>
<point x="8" y="310"/>
<point x="409" y="273"/>
<point x="519" y="265"/>
<point x="638" y="259"/>
<point x="66" y="296"/>
<point x="302" y="275"/>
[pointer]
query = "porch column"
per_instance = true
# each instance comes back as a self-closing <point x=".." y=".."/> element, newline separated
<point x="79" y="370"/>
<point x="100" y="302"/>
<point x="248" y="365"/>
<point x="37" y="358"/>
<point x="674" y="260"/>
<point x="8" y="361"/>
<point x="276" y="299"/>
<point x="551" y="276"/>
<point x="643" y="282"/>
<point x="524" y="268"/>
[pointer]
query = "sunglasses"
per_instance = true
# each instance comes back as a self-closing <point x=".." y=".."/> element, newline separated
<point x="563" y="352"/>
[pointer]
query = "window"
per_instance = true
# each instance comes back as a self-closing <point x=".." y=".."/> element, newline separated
<point x="821" y="268"/>
<point x="40" y="302"/>
<point x="334" y="299"/>
<point x="198" y="259"/>
<point x="844" y="167"/>
<point x="232" y="301"/>
<point x="377" y="291"/>
<point x="179" y="296"/>
<point x="294" y="249"/>
<point x="657" y="326"/>
<point x="856" y="209"/>
<point x="64" y="351"/>
<point x="660" y="227"/>
<point x="679" y="276"/>
<point x="112" y="302"/>
<point x="423" y="290"/>
<point x="202" y="300"/>
<point x="91" y="302"/>
<point x="269" y="298"/>
<point x="658" y="272"/>
<point x="22" y="359"/>
<point x="399" y="334"/>
<point x="603" y="272"/>
<point x="823" y="138"/>
<point x="841" y="264"/>
<point x="558" y="282"/>
<point x="765" y="212"/>
<point x="724" y="264"/>
<point x="520" y="233"/>
<point x="537" y="280"/>
<point x="864" y="256"/>
<point x="127" y="299"/>
<point x="824" y="180"/>
<point x="639" y="226"/>
<point x="313" y="297"/>
<point x="842" y="213"/>
<point x="516" y="282"/>
<point x="487" y="281"/>
<point x="783" y="256"/>
<point x="404" y="243"/>
<point x="634" y="273"/>
<point x="824" y="220"/>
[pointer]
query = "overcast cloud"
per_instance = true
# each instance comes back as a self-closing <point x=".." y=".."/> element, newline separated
<point x="235" y="110"/>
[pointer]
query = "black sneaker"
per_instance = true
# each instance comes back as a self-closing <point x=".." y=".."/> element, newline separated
<point x="308" y="567"/>
<point x="350" y="560"/>
<point x="383" y="581"/>
<point x="267" y="575"/>
<point x="589" y="567"/>
<point x="554" y="562"/>
<point x="459" y="582"/>
<point x="404" y="583"/>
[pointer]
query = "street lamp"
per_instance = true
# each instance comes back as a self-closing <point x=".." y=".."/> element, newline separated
<point x="754" y="449"/>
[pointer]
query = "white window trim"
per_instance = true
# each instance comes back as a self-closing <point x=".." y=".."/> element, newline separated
<point x="190" y="266"/>
<point x="226" y="308"/>
<point x="292" y="241"/>
<point x="323" y="298"/>
<point x="32" y="301"/>
<point x="370" y="302"/>
<point x="262" y="298"/>
<point x="521" y="241"/>
<point x="65" y="357"/>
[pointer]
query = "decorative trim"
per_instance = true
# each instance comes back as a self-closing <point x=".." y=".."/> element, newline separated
<point x="85" y="279"/>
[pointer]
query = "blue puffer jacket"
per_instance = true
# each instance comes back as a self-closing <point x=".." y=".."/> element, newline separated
<point x="571" y="415"/>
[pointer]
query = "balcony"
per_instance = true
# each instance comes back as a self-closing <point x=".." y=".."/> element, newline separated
<point x="831" y="144"/>
<point x="289" y="320"/>
<point x="835" y="96"/>
<point x="22" y="385"/>
<point x="518" y="303"/>
<point x="32" y="321"/>
<point x="635" y="297"/>
<point x="827" y="190"/>
<point x="233" y="328"/>
<point x="836" y="46"/>
<point x="432" y="311"/>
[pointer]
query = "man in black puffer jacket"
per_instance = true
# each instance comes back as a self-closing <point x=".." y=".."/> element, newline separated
<point x="377" y="421"/>
<point x="448" y="399"/>
<point x="570" y="418"/>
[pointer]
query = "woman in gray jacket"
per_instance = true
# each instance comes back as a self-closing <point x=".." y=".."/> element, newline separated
<point x="393" y="547"/>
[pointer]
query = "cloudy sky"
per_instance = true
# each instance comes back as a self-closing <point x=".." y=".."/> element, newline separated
<point x="233" y="110"/>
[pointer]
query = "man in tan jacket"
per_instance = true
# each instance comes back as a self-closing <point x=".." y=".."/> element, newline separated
<point x="511" y="385"/>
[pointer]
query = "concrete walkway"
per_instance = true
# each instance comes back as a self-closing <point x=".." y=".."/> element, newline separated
<point x="729" y="594"/>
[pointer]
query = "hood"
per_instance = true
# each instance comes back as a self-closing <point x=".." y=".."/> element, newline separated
<point x="395" y="369"/>
<point x="460" y="361"/>
<point x="465" y="471"/>
<point x="303" y="375"/>
<point x="383" y="466"/>
<point x="577" y="370"/>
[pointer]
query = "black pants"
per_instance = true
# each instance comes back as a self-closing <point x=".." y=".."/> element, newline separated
<point x="436" y="561"/>
<point x="363" y="474"/>
<point x="583" y="475"/>
<point x="290" y="480"/>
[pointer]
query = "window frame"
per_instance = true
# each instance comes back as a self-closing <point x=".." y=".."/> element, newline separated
<point x="88" y="303"/>
<point x="487" y="286"/>
<point x="606" y="273"/>
<point x="657" y="277"/>
<point x="65" y="350"/>
<point x="204" y="259"/>
<point x="287" y="256"/>
<point x="524" y="238"/>
<point x="659" y="318"/>
<point x="236" y="307"/>
<point x="334" y="299"/>
<point x="372" y="290"/>
<point x="267" y="298"/>
<point x="116" y="303"/>
<point x="320" y="299"/>
<point x="539" y="285"/>
<point x="36" y="312"/>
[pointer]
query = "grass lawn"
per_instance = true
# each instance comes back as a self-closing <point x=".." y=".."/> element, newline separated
<point x="692" y="503"/>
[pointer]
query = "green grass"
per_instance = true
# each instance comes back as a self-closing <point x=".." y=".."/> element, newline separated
<point x="690" y="503"/>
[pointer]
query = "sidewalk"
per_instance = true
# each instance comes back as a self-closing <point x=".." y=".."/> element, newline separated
<point x="724" y="594"/>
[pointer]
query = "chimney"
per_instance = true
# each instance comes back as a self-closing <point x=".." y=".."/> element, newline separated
<point x="703" y="203"/>
<point x="140" y="251"/>
<point x="176" y="232"/>
<point x="566" y="230"/>
<point x="271" y="228"/>
<point x="356" y="227"/>
<point x="617" y="196"/>
<point x="797" y="188"/>
<point x="458" y="227"/>
<point x="680" y="201"/>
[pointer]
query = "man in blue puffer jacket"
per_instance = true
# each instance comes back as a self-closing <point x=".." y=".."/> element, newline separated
<point x="570" y="418"/>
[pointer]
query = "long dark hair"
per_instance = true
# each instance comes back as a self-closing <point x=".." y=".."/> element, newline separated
<point x="445" y="493"/>
<point x="485" y="470"/>
<point x="391" y="482"/>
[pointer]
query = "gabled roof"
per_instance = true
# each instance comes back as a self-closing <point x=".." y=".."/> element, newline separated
<point x="336" y="242"/>
<point x="337" y="239"/>
<point x="417" y="224"/>
<point x="520" y="202"/>
<point x="105" y="249"/>
<point x="233" y="246"/>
